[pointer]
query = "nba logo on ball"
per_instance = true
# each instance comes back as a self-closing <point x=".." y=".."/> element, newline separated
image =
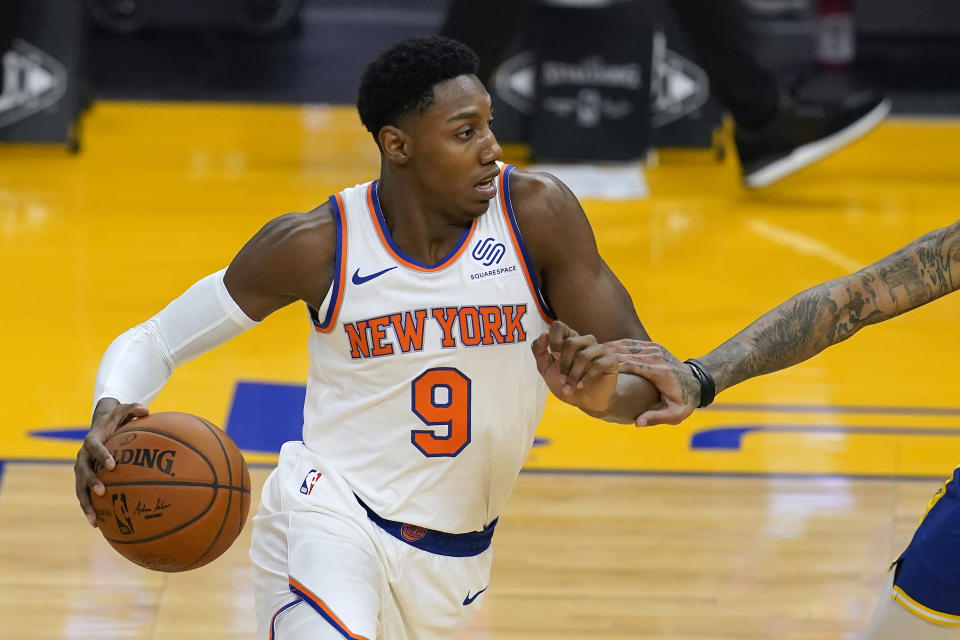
<point x="122" y="514"/>
<point x="310" y="482"/>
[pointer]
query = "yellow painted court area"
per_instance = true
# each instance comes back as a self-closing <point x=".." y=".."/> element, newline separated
<point x="163" y="194"/>
<point x="680" y="547"/>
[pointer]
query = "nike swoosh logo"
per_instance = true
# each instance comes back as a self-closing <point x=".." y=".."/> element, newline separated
<point x="469" y="599"/>
<point x="359" y="279"/>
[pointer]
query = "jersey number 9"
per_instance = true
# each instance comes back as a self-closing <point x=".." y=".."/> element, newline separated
<point x="441" y="396"/>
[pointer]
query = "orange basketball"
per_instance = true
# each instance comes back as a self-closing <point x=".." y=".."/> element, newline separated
<point x="179" y="494"/>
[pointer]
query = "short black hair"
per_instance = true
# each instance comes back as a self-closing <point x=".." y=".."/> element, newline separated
<point x="402" y="78"/>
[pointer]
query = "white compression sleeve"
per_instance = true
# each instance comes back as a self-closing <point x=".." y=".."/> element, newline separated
<point x="140" y="361"/>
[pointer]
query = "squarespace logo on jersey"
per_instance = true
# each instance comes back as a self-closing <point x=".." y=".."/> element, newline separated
<point x="489" y="253"/>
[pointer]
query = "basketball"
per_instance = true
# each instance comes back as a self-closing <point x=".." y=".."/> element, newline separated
<point x="179" y="494"/>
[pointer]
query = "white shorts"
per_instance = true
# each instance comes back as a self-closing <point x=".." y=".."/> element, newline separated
<point x="323" y="569"/>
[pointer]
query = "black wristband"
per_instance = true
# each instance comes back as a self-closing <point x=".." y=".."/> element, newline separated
<point x="708" y="388"/>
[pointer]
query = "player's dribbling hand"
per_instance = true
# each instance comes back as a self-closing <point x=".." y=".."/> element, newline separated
<point x="577" y="369"/>
<point x="109" y="416"/>
<point x="679" y="389"/>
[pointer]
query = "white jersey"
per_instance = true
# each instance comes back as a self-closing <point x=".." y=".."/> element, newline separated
<point x="423" y="392"/>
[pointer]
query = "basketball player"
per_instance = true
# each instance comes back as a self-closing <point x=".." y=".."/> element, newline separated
<point x="426" y="290"/>
<point x="924" y="585"/>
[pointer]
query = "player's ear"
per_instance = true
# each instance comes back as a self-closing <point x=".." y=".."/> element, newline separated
<point x="395" y="144"/>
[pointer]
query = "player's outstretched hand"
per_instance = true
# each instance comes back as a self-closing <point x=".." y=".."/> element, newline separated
<point x="679" y="389"/>
<point x="109" y="416"/>
<point x="577" y="369"/>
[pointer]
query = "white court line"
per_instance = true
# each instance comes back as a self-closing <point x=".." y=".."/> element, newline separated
<point x="804" y="244"/>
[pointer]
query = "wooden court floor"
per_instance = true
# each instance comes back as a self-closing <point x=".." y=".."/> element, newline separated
<point x="771" y="515"/>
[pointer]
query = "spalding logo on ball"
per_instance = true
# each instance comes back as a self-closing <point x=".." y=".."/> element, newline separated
<point x="162" y="460"/>
<point x="179" y="494"/>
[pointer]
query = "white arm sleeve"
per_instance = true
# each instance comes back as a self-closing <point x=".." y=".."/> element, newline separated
<point x="139" y="362"/>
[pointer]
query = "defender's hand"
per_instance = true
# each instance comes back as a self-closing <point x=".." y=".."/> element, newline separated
<point x="109" y="416"/>
<point x="679" y="389"/>
<point x="577" y="369"/>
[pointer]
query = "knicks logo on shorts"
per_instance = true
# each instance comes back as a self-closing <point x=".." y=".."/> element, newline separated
<point x="310" y="481"/>
<point x="412" y="533"/>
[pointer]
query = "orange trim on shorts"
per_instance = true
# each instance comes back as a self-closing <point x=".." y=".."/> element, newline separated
<point x="321" y="607"/>
<point x="518" y="249"/>
<point x="341" y="280"/>
<point x="388" y="244"/>
<point x="273" y="619"/>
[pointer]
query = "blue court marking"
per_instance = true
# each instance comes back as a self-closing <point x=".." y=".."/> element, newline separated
<point x="731" y="438"/>
<point x="264" y="415"/>
<point x="833" y="408"/>
<point x="1" y="474"/>
<point x="78" y="433"/>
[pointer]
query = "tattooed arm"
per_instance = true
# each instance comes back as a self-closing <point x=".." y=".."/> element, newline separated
<point x="826" y="314"/>
<point x="804" y="325"/>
